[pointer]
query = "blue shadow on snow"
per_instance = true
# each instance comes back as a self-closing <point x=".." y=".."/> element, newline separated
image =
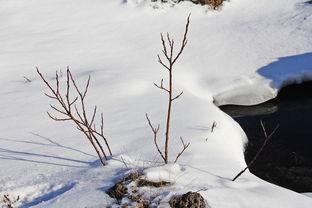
<point x="48" y="196"/>
<point x="288" y="67"/>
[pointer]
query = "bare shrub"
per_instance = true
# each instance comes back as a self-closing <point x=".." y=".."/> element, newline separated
<point x="170" y="60"/>
<point x="77" y="113"/>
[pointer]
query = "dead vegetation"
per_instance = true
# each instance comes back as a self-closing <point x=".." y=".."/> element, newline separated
<point x="118" y="191"/>
<point x="27" y="80"/>
<point x="9" y="201"/>
<point x="134" y="180"/>
<point x="214" y="4"/>
<point x="140" y="203"/>
<point x="144" y="182"/>
<point x="69" y="110"/>
<point x="167" y="63"/>
<point x="266" y="140"/>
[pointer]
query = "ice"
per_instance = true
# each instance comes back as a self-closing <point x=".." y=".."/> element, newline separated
<point x="243" y="54"/>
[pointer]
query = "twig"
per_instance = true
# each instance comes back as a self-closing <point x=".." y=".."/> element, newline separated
<point x="155" y="131"/>
<point x="214" y="125"/>
<point x="267" y="138"/>
<point x="124" y="162"/>
<point x="27" y="80"/>
<point x="185" y="146"/>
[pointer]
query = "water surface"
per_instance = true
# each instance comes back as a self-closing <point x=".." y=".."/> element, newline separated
<point x="287" y="159"/>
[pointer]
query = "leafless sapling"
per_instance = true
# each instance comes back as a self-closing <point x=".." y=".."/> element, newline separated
<point x="168" y="61"/>
<point x="70" y="111"/>
<point x="266" y="139"/>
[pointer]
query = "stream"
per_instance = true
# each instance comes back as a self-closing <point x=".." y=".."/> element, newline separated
<point x="287" y="158"/>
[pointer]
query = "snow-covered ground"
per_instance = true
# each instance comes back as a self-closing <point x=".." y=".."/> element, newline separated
<point x="241" y="54"/>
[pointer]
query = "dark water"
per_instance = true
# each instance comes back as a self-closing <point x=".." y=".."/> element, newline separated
<point x="287" y="158"/>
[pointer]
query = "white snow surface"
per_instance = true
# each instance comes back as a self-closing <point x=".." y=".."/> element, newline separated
<point x="241" y="54"/>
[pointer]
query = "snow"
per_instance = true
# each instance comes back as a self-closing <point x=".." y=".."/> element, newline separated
<point x="242" y="54"/>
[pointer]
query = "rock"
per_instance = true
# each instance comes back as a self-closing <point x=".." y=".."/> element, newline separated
<point x="188" y="200"/>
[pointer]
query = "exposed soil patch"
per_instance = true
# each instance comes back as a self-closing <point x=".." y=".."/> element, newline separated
<point x="215" y="4"/>
<point x="118" y="191"/>
<point x="126" y="190"/>
<point x="144" y="182"/>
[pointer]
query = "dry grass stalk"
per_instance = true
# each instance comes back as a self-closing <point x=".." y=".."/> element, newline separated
<point x="168" y="63"/>
<point x="27" y="79"/>
<point x="68" y="108"/>
<point x="214" y="125"/>
<point x="267" y="138"/>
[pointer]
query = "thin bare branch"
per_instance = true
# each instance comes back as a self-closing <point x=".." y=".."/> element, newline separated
<point x="27" y="79"/>
<point x="93" y="116"/>
<point x="161" y="86"/>
<point x="164" y="46"/>
<point x="169" y="40"/>
<point x="214" y="125"/>
<point x="74" y="83"/>
<point x="67" y="90"/>
<point x="70" y="104"/>
<point x="58" y="119"/>
<point x="58" y="110"/>
<point x="87" y="86"/>
<point x="155" y="131"/>
<point x="46" y="82"/>
<point x="176" y="97"/>
<point x="80" y="117"/>
<point x="102" y="124"/>
<point x="162" y="63"/>
<point x="263" y="129"/>
<point x="267" y="138"/>
<point x="273" y="132"/>
<point x="57" y="83"/>
<point x="184" y="41"/>
<point x="50" y="96"/>
<point x="99" y="144"/>
<point x="184" y="147"/>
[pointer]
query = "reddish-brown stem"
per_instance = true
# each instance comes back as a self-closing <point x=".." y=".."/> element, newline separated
<point x="170" y="58"/>
<point x="79" y="117"/>
<point x="185" y="146"/>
